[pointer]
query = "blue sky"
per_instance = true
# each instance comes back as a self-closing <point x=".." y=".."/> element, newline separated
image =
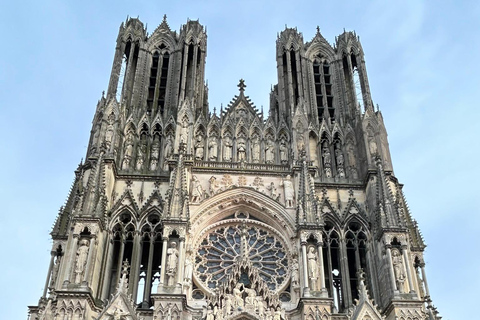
<point x="423" y="68"/>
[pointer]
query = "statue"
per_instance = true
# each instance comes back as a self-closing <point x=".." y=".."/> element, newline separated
<point x="199" y="145"/>
<point x="256" y="149"/>
<point x="250" y="300"/>
<point x="277" y="315"/>
<point x="213" y="149"/>
<point x="300" y="144"/>
<point x="168" y="151"/>
<point x="172" y="260"/>
<point x="295" y="282"/>
<point x="270" y="151"/>
<point x="82" y="255"/>
<point x="127" y="155"/>
<point x="273" y="191"/>
<point x="327" y="159"/>
<point x="210" y="315"/>
<point x="214" y="187"/>
<point x="283" y="151"/>
<point x="340" y="158"/>
<point x="227" y="149"/>
<point x="241" y="150"/>
<point x="341" y="172"/>
<point x="312" y="267"/>
<point x="398" y="270"/>
<point x="237" y="293"/>
<point x="372" y="145"/>
<point x="328" y="172"/>
<point x="154" y="156"/>
<point x="196" y="190"/>
<point x="109" y="136"/>
<point x="289" y="192"/>
<point x="228" y="305"/>
<point x="260" y="306"/>
<point x="140" y="157"/>
<point x="187" y="279"/>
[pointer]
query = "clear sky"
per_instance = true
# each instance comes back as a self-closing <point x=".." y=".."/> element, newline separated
<point x="423" y="66"/>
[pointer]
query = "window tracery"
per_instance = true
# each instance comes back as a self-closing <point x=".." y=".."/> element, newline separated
<point x="224" y="245"/>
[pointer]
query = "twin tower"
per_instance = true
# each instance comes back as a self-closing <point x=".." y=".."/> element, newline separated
<point x="179" y="213"/>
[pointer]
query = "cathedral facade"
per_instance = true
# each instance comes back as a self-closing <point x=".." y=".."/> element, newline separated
<point x="180" y="213"/>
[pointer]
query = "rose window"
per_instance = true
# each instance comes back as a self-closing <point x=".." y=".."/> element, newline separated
<point x="223" y="245"/>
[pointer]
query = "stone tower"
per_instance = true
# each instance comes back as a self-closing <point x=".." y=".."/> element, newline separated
<point x="180" y="213"/>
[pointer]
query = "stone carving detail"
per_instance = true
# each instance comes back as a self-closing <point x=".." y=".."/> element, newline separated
<point x="312" y="267"/>
<point x="172" y="261"/>
<point x="273" y="191"/>
<point x="81" y="262"/>
<point x="241" y="150"/>
<point x="214" y="186"/>
<point x="213" y="149"/>
<point x="197" y="192"/>
<point x="295" y="277"/>
<point x="227" y="149"/>
<point x="327" y="161"/>
<point x="199" y="146"/>
<point x="140" y="157"/>
<point x="283" y="151"/>
<point x="256" y="149"/>
<point x="398" y="269"/>
<point x="270" y="151"/>
<point x="128" y="151"/>
<point x="154" y="155"/>
<point x="187" y="278"/>
<point x="289" y="192"/>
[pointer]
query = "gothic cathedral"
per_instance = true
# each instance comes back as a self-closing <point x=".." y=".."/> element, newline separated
<point x="179" y="213"/>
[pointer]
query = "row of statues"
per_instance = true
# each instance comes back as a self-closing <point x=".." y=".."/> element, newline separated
<point x="198" y="193"/>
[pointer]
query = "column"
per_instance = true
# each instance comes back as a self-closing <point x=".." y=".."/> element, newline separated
<point x="107" y="273"/>
<point x="148" y="277"/>
<point x="164" y="258"/>
<point x="322" y="271"/>
<point x="347" y="296"/>
<point x="71" y="259"/>
<point x="181" y="255"/>
<point x="407" y="267"/>
<point x="306" y="291"/>
<point x="183" y="72"/>
<point x="135" y="264"/>
<point x="49" y="274"/>
<point x="392" y="272"/>
<point x="424" y="277"/>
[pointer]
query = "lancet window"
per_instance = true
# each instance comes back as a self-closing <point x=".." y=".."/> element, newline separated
<point x="322" y="79"/>
<point x="157" y="87"/>
<point x="344" y="255"/>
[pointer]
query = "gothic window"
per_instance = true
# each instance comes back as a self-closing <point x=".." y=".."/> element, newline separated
<point x="225" y="245"/>
<point x="150" y="259"/>
<point x="123" y="233"/>
<point x="327" y="77"/>
<point x="356" y="240"/>
<point x="152" y="81"/>
<point x="317" y="76"/>
<point x="332" y="265"/>
<point x="162" y="88"/>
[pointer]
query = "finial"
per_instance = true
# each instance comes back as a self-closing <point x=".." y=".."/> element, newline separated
<point x="103" y="94"/>
<point x="378" y="107"/>
<point x="241" y="86"/>
<point x="318" y="29"/>
<point x="214" y="110"/>
<point x="164" y="18"/>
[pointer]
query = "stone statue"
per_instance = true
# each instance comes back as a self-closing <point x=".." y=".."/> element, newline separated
<point x="187" y="278"/>
<point x="214" y="187"/>
<point x="340" y="158"/>
<point x="341" y="172"/>
<point x="300" y="144"/>
<point x="283" y="151"/>
<point x="140" y="157"/>
<point x="210" y="315"/>
<point x="172" y="260"/>
<point x="168" y="151"/>
<point x="154" y="156"/>
<point x="228" y="305"/>
<point x="256" y="149"/>
<point x="237" y="293"/>
<point x="109" y="136"/>
<point x="241" y="150"/>
<point x="260" y="306"/>
<point x="273" y="191"/>
<point x="312" y="267"/>
<point x="270" y="151"/>
<point x="372" y="145"/>
<point x="227" y="149"/>
<point x="289" y="192"/>
<point x="250" y="300"/>
<point x="328" y="172"/>
<point x="82" y="255"/>
<point x="295" y="282"/>
<point x="196" y="190"/>
<point x="184" y="131"/>
<point x="53" y="277"/>
<point x="327" y="158"/>
<point x="213" y="149"/>
<point x="199" y="145"/>
<point x="398" y="269"/>
<point x="127" y="155"/>
<point x="277" y="315"/>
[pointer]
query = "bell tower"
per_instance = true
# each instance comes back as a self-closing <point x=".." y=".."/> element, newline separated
<point x="182" y="213"/>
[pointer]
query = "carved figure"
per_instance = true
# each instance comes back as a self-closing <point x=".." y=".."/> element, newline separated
<point x="339" y="157"/>
<point x="199" y="145"/>
<point x="312" y="266"/>
<point x="270" y="151"/>
<point x="341" y="172"/>
<point x="228" y="305"/>
<point x="184" y="131"/>
<point x="328" y="172"/>
<point x="250" y="300"/>
<point x="154" y="156"/>
<point x="398" y="269"/>
<point x="372" y="145"/>
<point x="237" y="293"/>
<point x="273" y="191"/>
<point x="109" y="137"/>
<point x="188" y="271"/>
<point x="300" y="144"/>
<point x="256" y="149"/>
<point x="140" y="157"/>
<point x="227" y="149"/>
<point x="327" y="159"/>
<point x="213" y="149"/>
<point x="295" y="282"/>
<point x="277" y="315"/>
<point x="241" y="150"/>
<point x="283" y="151"/>
<point x="289" y="192"/>
<point x="82" y="254"/>
<point x="196" y="190"/>
<point x="172" y="259"/>
<point x="210" y="315"/>
<point x="260" y="306"/>
<point x="168" y="147"/>
<point x="127" y="155"/>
